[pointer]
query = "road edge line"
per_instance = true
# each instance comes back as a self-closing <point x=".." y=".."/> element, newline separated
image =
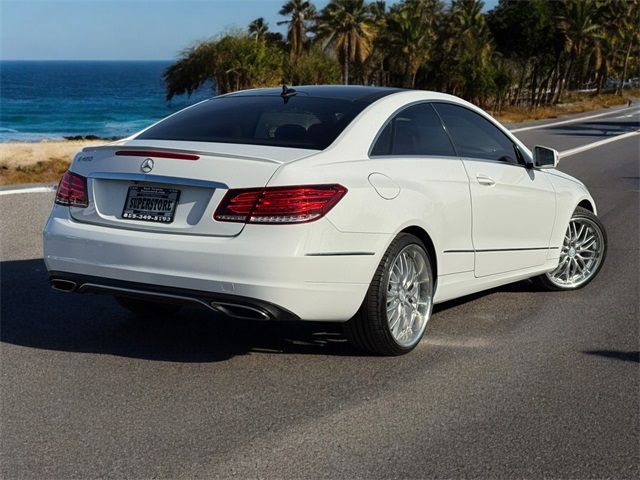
<point x="589" y="146"/>
<point x="571" y="120"/>
<point x="28" y="190"/>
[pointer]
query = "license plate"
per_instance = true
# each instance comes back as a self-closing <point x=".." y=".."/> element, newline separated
<point x="150" y="204"/>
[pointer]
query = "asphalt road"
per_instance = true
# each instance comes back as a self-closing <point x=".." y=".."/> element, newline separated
<point x="510" y="383"/>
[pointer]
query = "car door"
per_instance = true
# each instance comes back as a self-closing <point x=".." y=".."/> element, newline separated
<point x="513" y="206"/>
<point x="414" y="149"/>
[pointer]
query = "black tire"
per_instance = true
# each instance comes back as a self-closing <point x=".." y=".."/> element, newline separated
<point x="147" y="309"/>
<point x="546" y="283"/>
<point x="369" y="329"/>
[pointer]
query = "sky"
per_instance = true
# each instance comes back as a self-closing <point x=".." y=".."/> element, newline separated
<point x="124" y="29"/>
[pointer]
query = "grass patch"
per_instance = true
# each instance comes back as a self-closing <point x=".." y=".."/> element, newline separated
<point x="40" y="172"/>
<point x="575" y="103"/>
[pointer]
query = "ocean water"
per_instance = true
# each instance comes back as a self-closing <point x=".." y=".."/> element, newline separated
<point x="53" y="99"/>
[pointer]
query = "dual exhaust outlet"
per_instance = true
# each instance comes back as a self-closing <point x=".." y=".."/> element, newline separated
<point x="233" y="310"/>
<point x="67" y="286"/>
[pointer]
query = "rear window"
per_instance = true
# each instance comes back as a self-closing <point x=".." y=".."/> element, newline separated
<point x="300" y="122"/>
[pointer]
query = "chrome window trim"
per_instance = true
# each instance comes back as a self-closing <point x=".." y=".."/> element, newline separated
<point x="499" y="162"/>
<point x="337" y="254"/>
<point x="453" y="157"/>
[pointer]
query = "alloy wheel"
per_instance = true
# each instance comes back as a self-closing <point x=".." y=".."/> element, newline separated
<point x="408" y="295"/>
<point x="580" y="255"/>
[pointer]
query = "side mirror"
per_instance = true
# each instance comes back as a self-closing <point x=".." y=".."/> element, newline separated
<point x="544" y="157"/>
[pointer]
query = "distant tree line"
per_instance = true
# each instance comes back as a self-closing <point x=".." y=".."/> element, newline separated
<point x="523" y="52"/>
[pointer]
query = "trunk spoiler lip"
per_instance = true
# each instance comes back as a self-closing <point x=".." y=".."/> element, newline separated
<point x="181" y="150"/>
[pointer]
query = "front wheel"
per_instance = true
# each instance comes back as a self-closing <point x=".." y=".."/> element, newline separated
<point x="394" y="314"/>
<point x="582" y="253"/>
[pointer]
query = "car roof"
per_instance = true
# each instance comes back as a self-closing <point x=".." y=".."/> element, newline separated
<point x="355" y="93"/>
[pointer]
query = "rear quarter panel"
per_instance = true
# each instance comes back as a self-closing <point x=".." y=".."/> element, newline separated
<point x="433" y="195"/>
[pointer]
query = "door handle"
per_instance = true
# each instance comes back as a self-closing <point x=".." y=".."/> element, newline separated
<point x="485" y="179"/>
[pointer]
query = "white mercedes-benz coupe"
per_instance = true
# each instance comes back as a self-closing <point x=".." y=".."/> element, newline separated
<point x="341" y="204"/>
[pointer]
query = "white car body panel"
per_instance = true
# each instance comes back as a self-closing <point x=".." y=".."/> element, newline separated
<point x="569" y="193"/>
<point x="482" y="236"/>
<point x="523" y="196"/>
<point x="421" y="193"/>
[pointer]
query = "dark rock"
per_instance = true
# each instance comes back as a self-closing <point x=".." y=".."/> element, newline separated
<point x="90" y="137"/>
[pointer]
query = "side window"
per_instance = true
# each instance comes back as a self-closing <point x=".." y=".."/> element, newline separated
<point x="475" y="136"/>
<point x="416" y="130"/>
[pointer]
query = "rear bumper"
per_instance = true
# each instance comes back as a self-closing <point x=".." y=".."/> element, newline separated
<point x="309" y="271"/>
<point x="230" y="305"/>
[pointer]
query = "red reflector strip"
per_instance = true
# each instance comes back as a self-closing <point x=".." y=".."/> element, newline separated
<point x="157" y="154"/>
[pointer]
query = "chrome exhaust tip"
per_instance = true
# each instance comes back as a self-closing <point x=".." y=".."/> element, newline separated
<point x="243" y="312"/>
<point x="66" y="286"/>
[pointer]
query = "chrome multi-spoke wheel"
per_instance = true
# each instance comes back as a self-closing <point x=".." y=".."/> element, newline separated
<point x="408" y="300"/>
<point x="394" y="314"/>
<point x="582" y="252"/>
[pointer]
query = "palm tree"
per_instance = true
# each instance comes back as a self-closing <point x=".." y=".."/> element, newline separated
<point x="470" y="27"/>
<point x="606" y="47"/>
<point x="580" y="29"/>
<point x="348" y="26"/>
<point x="378" y="9"/>
<point x="534" y="46"/>
<point x="409" y="31"/>
<point x="629" y="36"/>
<point x="379" y="52"/>
<point x="258" y="29"/>
<point x="300" y="12"/>
<point x="469" y="46"/>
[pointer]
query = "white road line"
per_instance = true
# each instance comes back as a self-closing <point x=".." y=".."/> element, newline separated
<point x="27" y="190"/>
<point x="589" y="146"/>
<point x="571" y="120"/>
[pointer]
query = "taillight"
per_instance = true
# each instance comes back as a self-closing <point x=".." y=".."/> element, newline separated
<point x="72" y="191"/>
<point x="298" y="204"/>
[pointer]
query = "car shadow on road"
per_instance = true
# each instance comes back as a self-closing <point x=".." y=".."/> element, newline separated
<point x="616" y="354"/>
<point x="595" y="129"/>
<point x="34" y="315"/>
<point x="523" y="286"/>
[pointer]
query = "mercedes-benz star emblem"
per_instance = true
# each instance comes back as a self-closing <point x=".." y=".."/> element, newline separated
<point x="147" y="165"/>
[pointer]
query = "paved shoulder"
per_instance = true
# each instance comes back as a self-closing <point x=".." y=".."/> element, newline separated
<point x="581" y="131"/>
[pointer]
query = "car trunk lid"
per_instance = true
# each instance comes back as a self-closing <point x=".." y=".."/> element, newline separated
<point x="187" y="178"/>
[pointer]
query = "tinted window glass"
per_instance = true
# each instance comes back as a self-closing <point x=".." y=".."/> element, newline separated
<point x="416" y="130"/>
<point x="383" y="143"/>
<point x="301" y="122"/>
<point x="474" y="136"/>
